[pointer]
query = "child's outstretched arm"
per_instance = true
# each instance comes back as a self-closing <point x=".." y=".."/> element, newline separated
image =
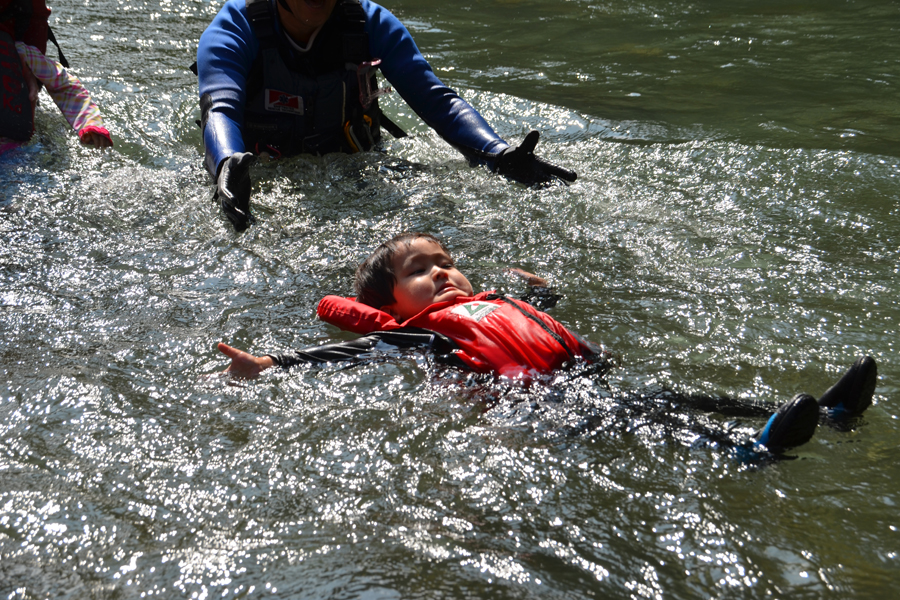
<point x="540" y="295"/>
<point x="70" y="96"/>
<point x="243" y="364"/>
<point x="529" y="278"/>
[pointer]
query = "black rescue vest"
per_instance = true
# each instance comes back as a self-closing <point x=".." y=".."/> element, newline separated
<point x="310" y="102"/>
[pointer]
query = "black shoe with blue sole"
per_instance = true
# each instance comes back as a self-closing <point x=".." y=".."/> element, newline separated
<point x="793" y="424"/>
<point x="852" y="394"/>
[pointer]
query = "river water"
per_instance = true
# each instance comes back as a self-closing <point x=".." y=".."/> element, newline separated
<point x="734" y="229"/>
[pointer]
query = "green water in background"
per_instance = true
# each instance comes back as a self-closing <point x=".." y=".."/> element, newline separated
<point x="734" y="229"/>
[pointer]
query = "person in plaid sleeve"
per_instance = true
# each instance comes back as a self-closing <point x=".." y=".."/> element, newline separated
<point x="67" y="91"/>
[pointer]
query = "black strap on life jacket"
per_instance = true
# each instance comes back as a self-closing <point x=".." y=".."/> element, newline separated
<point x="355" y="46"/>
<point x="536" y="319"/>
<point x="355" y="42"/>
<point x="262" y="21"/>
<point x="52" y="38"/>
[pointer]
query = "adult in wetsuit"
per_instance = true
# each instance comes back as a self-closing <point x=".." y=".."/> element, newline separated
<point x="284" y="77"/>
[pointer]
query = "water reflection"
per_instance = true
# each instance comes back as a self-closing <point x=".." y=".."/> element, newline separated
<point x="709" y="265"/>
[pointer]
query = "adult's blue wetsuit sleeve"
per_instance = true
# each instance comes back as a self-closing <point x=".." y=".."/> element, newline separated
<point x="440" y="107"/>
<point x="224" y="58"/>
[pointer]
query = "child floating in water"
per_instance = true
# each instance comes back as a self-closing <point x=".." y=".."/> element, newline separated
<point x="409" y="293"/>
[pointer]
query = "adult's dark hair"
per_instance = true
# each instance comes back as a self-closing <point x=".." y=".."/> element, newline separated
<point x="375" y="280"/>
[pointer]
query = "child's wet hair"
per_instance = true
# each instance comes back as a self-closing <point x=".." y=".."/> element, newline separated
<point x="375" y="280"/>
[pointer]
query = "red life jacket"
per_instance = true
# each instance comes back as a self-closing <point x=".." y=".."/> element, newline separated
<point x="493" y="333"/>
<point x="25" y="21"/>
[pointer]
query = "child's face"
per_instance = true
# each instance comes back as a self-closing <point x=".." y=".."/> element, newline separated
<point x="425" y="275"/>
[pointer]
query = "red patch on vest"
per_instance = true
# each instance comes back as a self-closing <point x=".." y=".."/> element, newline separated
<point x="283" y="102"/>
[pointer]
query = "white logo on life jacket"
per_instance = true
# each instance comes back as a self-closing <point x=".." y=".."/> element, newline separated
<point x="475" y="310"/>
<point x="283" y="102"/>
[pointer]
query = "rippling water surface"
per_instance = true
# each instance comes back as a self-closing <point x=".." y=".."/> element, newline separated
<point x="734" y="229"/>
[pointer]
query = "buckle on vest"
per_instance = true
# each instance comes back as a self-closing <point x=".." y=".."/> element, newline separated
<point x="365" y="74"/>
<point x="353" y="135"/>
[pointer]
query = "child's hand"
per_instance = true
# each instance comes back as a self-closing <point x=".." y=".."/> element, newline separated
<point x="530" y="279"/>
<point x="244" y="364"/>
<point x="98" y="137"/>
<point x="96" y="140"/>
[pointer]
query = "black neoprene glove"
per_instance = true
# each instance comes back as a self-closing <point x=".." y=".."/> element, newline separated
<point x="233" y="188"/>
<point x="522" y="165"/>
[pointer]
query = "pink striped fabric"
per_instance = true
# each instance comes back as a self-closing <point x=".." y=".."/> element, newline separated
<point x="66" y="90"/>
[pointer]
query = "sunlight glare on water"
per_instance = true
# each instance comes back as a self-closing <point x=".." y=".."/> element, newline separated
<point x="726" y="235"/>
